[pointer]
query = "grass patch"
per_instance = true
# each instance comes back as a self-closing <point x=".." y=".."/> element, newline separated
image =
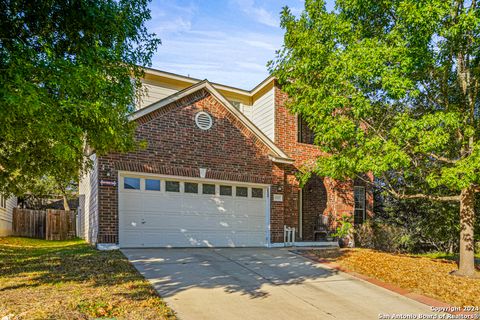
<point x="42" y="279"/>
<point x="443" y="255"/>
<point x="423" y="275"/>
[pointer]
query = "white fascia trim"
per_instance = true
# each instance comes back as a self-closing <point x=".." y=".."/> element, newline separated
<point x="281" y="160"/>
<point x="171" y="75"/>
<point x="261" y="85"/>
<point x="218" y="86"/>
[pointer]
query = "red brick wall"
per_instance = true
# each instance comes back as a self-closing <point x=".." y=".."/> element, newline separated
<point x="332" y="197"/>
<point x="176" y="146"/>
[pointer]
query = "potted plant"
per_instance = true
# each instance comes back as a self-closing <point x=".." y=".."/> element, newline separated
<point x="344" y="232"/>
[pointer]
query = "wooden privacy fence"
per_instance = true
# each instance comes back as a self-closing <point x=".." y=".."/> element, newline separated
<point x="47" y="224"/>
<point x="29" y="223"/>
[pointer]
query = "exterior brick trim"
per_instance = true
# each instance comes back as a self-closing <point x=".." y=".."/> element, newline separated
<point x="190" y="172"/>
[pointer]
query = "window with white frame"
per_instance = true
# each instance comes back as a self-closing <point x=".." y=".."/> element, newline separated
<point x="359" y="210"/>
<point x="152" y="184"/>
<point x="3" y="202"/>
<point x="131" y="183"/>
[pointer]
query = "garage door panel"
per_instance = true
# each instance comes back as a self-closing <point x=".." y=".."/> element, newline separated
<point x="201" y="203"/>
<point x="197" y="239"/>
<point x="131" y="201"/>
<point x="154" y="201"/>
<point x="130" y="238"/>
<point x="171" y="219"/>
<point x="161" y="201"/>
<point x="130" y="220"/>
<point x="247" y="212"/>
<point x="201" y="221"/>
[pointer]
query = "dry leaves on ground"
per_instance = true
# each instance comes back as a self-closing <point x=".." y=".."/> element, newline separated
<point x="430" y="277"/>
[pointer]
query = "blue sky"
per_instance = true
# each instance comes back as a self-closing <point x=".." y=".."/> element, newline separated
<point x="225" y="41"/>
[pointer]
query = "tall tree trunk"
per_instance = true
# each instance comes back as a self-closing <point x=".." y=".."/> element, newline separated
<point x="65" y="203"/>
<point x="467" y="242"/>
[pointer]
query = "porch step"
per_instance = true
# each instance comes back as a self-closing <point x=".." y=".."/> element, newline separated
<point x="303" y="244"/>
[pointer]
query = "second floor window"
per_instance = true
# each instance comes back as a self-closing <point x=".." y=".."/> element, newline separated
<point x="305" y="134"/>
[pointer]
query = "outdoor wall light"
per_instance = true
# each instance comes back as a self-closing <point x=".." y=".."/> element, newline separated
<point x="106" y="171"/>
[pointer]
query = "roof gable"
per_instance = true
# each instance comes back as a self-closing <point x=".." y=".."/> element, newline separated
<point x="277" y="154"/>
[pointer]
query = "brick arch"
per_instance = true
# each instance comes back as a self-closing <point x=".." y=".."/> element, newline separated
<point x="314" y="204"/>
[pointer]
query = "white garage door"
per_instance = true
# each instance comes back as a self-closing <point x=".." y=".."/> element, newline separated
<point x="168" y="212"/>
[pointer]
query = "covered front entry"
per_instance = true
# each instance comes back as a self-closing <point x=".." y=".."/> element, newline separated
<point x="160" y="211"/>
<point x="313" y="205"/>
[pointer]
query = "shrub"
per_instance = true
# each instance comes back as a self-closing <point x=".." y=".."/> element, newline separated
<point x="364" y="235"/>
<point x="430" y="226"/>
<point x="387" y="237"/>
<point x="384" y="237"/>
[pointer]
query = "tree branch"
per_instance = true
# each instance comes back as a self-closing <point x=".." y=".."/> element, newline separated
<point x="367" y="181"/>
<point x="390" y="189"/>
<point x="426" y="196"/>
<point x="443" y="159"/>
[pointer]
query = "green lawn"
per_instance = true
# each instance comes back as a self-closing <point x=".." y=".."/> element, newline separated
<point x="42" y="279"/>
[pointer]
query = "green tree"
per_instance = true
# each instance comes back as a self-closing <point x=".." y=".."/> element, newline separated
<point x="69" y="77"/>
<point x="45" y="188"/>
<point x="391" y="87"/>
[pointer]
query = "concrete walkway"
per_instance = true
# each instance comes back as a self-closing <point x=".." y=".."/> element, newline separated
<point x="261" y="284"/>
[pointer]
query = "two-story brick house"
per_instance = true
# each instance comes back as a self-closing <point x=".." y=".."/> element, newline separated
<point x="219" y="169"/>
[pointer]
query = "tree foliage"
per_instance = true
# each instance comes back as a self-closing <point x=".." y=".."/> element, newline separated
<point x="391" y="87"/>
<point x="43" y="190"/>
<point x="69" y="77"/>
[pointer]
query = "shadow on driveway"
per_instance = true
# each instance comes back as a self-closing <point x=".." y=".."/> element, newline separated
<point x="243" y="270"/>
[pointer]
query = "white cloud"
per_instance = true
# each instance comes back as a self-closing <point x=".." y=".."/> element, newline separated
<point x="168" y="17"/>
<point x="251" y="66"/>
<point x="237" y="59"/>
<point x="175" y="25"/>
<point x="259" y="14"/>
<point x="201" y="43"/>
<point x="260" y="44"/>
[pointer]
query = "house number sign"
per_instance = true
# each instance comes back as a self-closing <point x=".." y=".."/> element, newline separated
<point x="108" y="183"/>
<point x="278" y="197"/>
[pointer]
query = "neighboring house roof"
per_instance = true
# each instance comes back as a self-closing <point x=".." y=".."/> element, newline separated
<point x="277" y="154"/>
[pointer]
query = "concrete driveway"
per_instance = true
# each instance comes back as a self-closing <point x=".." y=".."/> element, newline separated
<point x="261" y="284"/>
